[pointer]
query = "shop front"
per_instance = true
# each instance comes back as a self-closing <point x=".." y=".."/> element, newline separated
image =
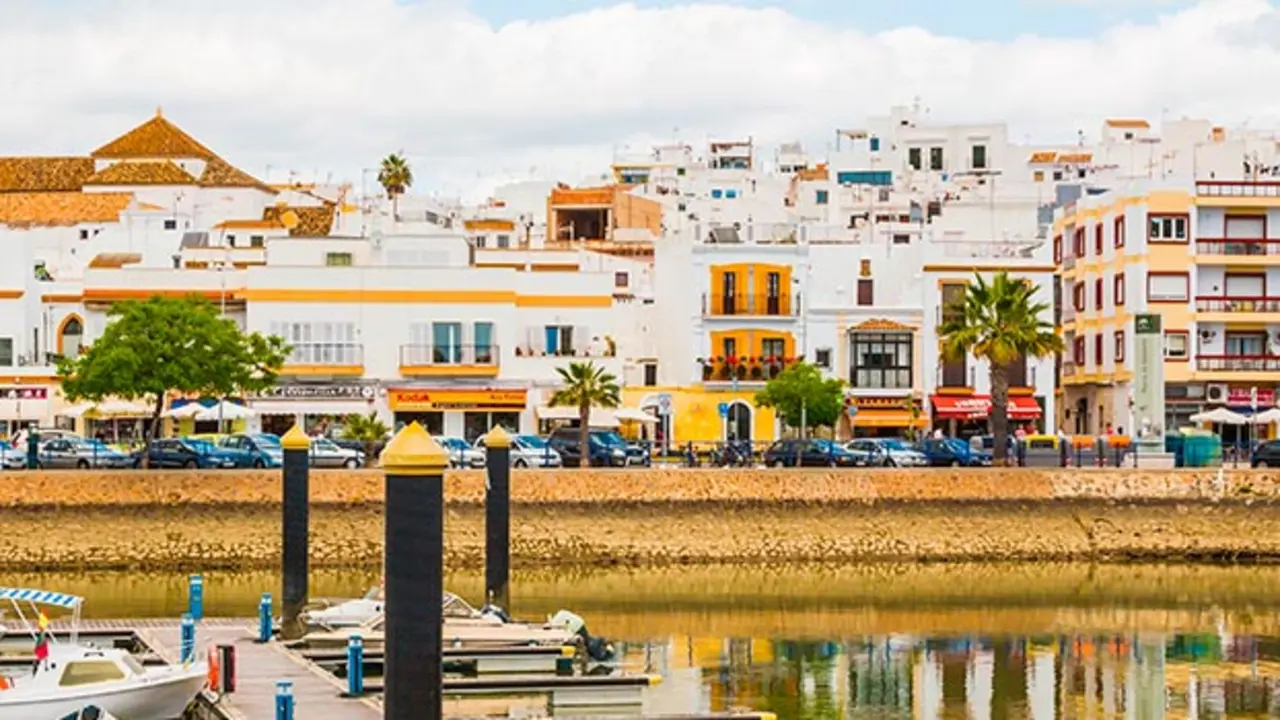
<point x="459" y="412"/>
<point x="871" y="417"/>
<point x="967" y="415"/>
<point x="22" y="406"/>
<point x="320" y="409"/>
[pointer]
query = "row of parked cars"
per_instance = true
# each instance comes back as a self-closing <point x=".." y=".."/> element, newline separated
<point x="64" y="450"/>
<point x="563" y="447"/>
<point x="873" y="452"/>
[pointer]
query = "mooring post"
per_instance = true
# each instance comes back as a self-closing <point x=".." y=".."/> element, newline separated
<point x="284" y="700"/>
<point x="414" y="596"/>
<point x="497" y="518"/>
<point x="355" y="666"/>
<point x="195" y="597"/>
<point x="296" y="471"/>
<point x="264" y="618"/>
<point x="187" y="639"/>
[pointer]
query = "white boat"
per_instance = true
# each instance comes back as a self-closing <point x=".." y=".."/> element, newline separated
<point x="74" y="676"/>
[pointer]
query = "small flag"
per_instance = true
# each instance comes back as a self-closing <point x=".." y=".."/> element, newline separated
<point x="43" y="622"/>
<point x="42" y="647"/>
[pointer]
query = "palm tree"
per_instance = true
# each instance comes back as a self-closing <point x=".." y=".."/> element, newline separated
<point x="368" y="430"/>
<point x="999" y="322"/>
<point x="396" y="178"/>
<point x="586" y="385"/>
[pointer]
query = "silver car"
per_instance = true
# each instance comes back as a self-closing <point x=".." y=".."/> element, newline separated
<point x="461" y="455"/>
<point x="325" y="453"/>
<point x="67" y="453"/>
<point x="12" y="458"/>
<point x="902" y="453"/>
<point x="530" y="451"/>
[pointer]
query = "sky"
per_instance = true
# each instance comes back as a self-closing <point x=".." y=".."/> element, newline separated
<point x="481" y="91"/>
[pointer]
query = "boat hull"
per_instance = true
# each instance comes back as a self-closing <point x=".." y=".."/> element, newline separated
<point x="161" y="698"/>
<point x="456" y="635"/>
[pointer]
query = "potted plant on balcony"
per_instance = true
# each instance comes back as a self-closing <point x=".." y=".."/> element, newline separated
<point x="610" y="346"/>
<point x="725" y="369"/>
<point x="772" y="366"/>
<point x="757" y="371"/>
<point x="708" y="367"/>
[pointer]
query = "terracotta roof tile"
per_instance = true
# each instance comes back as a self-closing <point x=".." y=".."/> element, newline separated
<point x="142" y="173"/>
<point x="882" y="324"/>
<point x="249" y="225"/>
<point x="155" y="138"/>
<point x="313" y="221"/>
<point x="220" y="173"/>
<point x="44" y="174"/>
<point x="61" y="208"/>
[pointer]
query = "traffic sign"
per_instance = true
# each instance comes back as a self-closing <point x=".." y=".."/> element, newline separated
<point x="664" y="404"/>
<point x="724" y="410"/>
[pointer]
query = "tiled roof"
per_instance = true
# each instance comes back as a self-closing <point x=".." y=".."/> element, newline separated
<point x="882" y="324"/>
<point x="147" y="172"/>
<point x="220" y="173"/>
<point x="155" y="138"/>
<point x="44" y="174"/>
<point x="61" y="208"/>
<point x="249" y="225"/>
<point x="302" y="221"/>
<point x="1136" y="123"/>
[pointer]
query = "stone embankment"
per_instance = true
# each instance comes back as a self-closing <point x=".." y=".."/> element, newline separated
<point x="206" y="520"/>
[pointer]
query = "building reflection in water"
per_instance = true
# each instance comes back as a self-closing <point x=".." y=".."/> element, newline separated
<point x="1135" y="677"/>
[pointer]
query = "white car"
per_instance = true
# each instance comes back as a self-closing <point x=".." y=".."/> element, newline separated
<point x="325" y="453"/>
<point x="461" y="455"/>
<point x="530" y="451"/>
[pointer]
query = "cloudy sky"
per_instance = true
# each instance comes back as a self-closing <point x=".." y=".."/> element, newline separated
<point x="476" y="90"/>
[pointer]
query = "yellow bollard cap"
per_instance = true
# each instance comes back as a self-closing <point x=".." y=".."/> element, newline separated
<point x="497" y="438"/>
<point x="414" y="452"/>
<point x="295" y="439"/>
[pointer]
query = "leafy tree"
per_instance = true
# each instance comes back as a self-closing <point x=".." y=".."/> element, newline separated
<point x="162" y="345"/>
<point x="1000" y="322"/>
<point x="586" y="385"/>
<point x="396" y="177"/>
<point x="801" y="391"/>
<point x="368" y="430"/>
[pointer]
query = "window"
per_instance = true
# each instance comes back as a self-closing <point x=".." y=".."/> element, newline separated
<point x="478" y="241"/>
<point x="731" y="193"/>
<point x="1097" y="350"/>
<point x="865" y="177"/>
<point x="866" y="291"/>
<point x="84" y="234"/>
<point x="559" y="339"/>
<point x="1117" y="290"/>
<point x="337" y="259"/>
<point x="1245" y="286"/>
<point x="914" y="158"/>
<point x="650" y="374"/>
<point x="901" y="239"/>
<point x="70" y="337"/>
<point x="170" y="224"/>
<point x="6" y="352"/>
<point x="874" y="144"/>
<point x="716" y="193"/>
<point x="1077" y="350"/>
<point x="1057" y="175"/>
<point x="1038" y="176"/>
<point x="482" y="342"/>
<point x="935" y="158"/>
<point x="319" y="343"/>
<point x="821" y="197"/>
<point x="90" y="672"/>
<point x="256" y="241"/>
<point x="1237" y="227"/>
<point x="1119" y="349"/>
<point x="979" y="157"/>
<point x="1175" y="344"/>
<point x="1118" y="232"/>
<point x="822" y="358"/>
<point x="773" y="347"/>
<point x="1077" y="243"/>
<point x="1097" y="294"/>
<point x="231" y="241"/>
<point x="729" y="346"/>
<point x="1097" y="239"/>
<point x="504" y="241"/>
<point x="1077" y="296"/>
<point x="1168" y="287"/>
<point x="621" y="279"/>
<point x="1245" y="344"/>
<point x="1057" y="249"/>
<point x="1168" y="229"/>
<point x="881" y="360"/>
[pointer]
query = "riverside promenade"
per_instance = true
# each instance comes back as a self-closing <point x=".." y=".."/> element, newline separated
<point x="210" y="520"/>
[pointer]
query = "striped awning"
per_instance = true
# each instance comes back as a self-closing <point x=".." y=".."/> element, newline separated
<point x="41" y="597"/>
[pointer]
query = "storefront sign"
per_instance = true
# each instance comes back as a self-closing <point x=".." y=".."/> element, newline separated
<point x="1148" y="379"/>
<point x="319" y="392"/>
<point x="1242" y="396"/>
<point x="429" y="400"/>
<point x="24" y="393"/>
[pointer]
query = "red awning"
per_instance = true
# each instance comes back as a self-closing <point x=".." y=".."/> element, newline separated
<point x="977" y="407"/>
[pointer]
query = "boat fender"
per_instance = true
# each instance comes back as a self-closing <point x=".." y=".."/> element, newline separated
<point x="4" y="683"/>
<point x="213" y="677"/>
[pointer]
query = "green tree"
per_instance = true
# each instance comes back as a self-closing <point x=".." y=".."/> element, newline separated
<point x="365" y="429"/>
<point x="586" y="385"/>
<point x="155" y="347"/>
<point x="1000" y="322"/>
<point x="396" y="177"/>
<point x="801" y="394"/>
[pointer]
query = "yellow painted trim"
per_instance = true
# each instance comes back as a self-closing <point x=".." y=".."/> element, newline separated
<point x="1238" y="202"/>
<point x="476" y="225"/>
<point x="56" y="298"/>
<point x="990" y="268"/>
<point x="1240" y="261"/>
<point x="11" y="294"/>
<point x="554" y="267"/>
<point x="1240" y="320"/>
<point x="953" y="391"/>
<point x="564" y="301"/>
<point x="352" y="370"/>
<point x="461" y="297"/>
<point x="449" y="370"/>
<point x="30" y="380"/>
<point x="62" y="326"/>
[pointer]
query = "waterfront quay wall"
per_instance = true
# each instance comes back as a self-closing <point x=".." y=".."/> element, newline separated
<point x="203" y="520"/>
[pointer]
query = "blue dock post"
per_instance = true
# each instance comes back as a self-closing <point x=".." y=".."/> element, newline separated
<point x="187" y="640"/>
<point x="264" y="618"/>
<point x="195" y="597"/>
<point x="284" y="700"/>
<point x="355" y="666"/>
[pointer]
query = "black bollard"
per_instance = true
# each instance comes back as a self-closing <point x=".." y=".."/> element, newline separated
<point x="413" y="652"/>
<point x="296" y="470"/>
<point x="33" y="448"/>
<point x="497" y="518"/>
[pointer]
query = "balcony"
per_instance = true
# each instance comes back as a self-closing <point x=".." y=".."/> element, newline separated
<point x="743" y="369"/>
<point x="325" y="359"/>
<point x="1238" y="363"/>
<point x="1237" y="304"/>
<point x="1238" y="247"/>
<point x="720" y="305"/>
<point x="1237" y="189"/>
<point x="449" y="360"/>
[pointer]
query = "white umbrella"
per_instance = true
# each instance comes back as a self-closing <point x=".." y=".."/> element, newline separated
<point x="634" y="415"/>
<point x="224" y="411"/>
<point x="1220" y="415"/>
<point x="186" y="411"/>
<point x="1266" y="417"/>
<point x="76" y="410"/>
<point x="599" y="418"/>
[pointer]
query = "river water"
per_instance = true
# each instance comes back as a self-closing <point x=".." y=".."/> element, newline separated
<point x="884" y="641"/>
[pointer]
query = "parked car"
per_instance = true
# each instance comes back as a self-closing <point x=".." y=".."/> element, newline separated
<point x="68" y="453"/>
<point x="869" y="452"/>
<point x="262" y="450"/>
<point x="461" y="455"/>
<point x="186" y="453"/>
<point x="529" y="451"/>
<point x="1266" y="455"/>
<point x="902" y="453"/>
<point x="606" y="448"/>
<point x="950" y="452"/>
<point x="810" y="453"/>
<point x="325" y="453"/>
<point x="12" y="458"/>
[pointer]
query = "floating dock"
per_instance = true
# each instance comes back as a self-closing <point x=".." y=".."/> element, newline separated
<point x="536" y="659"/>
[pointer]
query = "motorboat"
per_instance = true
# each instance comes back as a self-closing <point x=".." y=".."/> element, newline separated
<point x="77" y="680"/>
<point x="464" y="627"/>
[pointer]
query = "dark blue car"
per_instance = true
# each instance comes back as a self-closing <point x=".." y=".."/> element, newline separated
<point x="950" y="452"/>
<point x="186" y="453"/>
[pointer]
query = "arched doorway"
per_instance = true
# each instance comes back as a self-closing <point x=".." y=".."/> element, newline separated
<point x="70" y="336"/>
<point x="738" y="425"/>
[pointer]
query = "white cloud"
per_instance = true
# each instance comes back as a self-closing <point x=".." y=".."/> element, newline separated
<point x="335" y="84"/>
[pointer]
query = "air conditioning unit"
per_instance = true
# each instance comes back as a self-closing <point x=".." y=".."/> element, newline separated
<point x="1216" y="393"/>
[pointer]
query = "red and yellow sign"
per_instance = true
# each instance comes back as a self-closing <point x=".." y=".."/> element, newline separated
<point x="427" y="400"/>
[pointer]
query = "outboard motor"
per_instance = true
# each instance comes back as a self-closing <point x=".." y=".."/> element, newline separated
<point x="597" y="649"/>
<point x="495" y="611"/>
